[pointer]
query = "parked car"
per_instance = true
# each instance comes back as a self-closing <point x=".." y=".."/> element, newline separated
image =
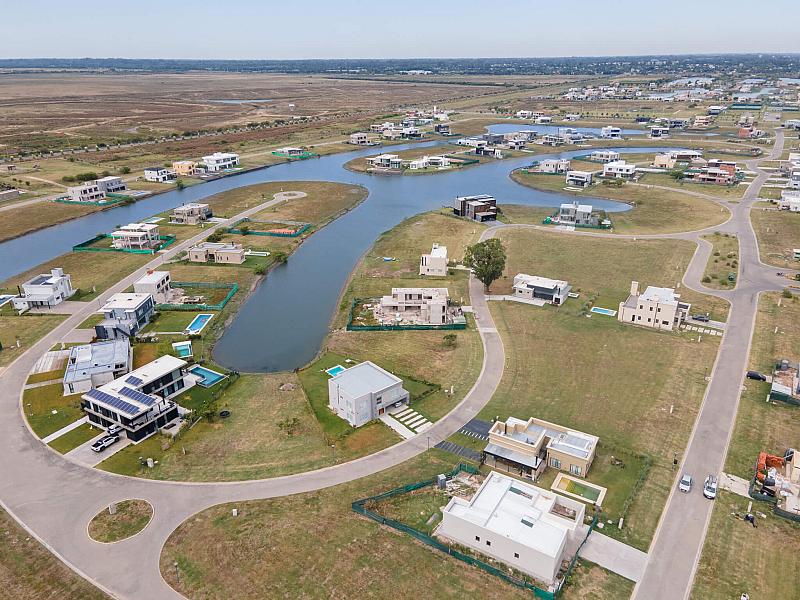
<point x="685" y="484"/>
<point x="104" y="442"/>
<point x="756" y="375"/>
<point x="114" y="429"/>
<point x="701" y="318"/>
<point x="710" y="487"/>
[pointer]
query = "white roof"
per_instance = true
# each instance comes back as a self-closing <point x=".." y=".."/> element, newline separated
<point x="535" y="280"/>
<point x="133" y="227"/>
<point x="423" y="291"/>
<point x="221" y="156"/>
<point x="365" y="378"/>
<point x="95" y="358"/>
<point x="515" y="510"/>
<point x="661" y="295"/>
<point x="577" y="207"/>
<point x="125" y="301"/>
<point x="439" y="251"/>
<point x="579" y="173"/>
<point x="152" y="277"/>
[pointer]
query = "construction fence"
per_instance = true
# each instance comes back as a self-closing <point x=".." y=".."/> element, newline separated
<point x="232" y="287"/>
<point x="351" y="327"/>
<point x="301" y="228"/>
<point x="89" y="245"/>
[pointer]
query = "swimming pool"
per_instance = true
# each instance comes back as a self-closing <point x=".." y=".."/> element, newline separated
<point x="604" y="311"/>
<point x="207" y="376"/>
<point x="183" y="349"/>
<point x="198" y="323"/>
<point x="334" y="371"/>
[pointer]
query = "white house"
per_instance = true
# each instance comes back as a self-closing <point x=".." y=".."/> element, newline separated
<point x="657" y="307"/>
<point x="790" y="200"/>
<point x="141" y="401"/>
<point x="611" y="133"/>
<point x="111" y="184"/>
<point x="159" y="174"/>
<point x="657" y="131"/>
<point x="579" y="178"/>
<point x="439" y="162"/>
<point x="619" y="169"/>
<point x="554" y="165"/>
<point x="92" y="365"/>
<point x="86" y="192"/>
<point x="519" y="524"/>
<point x="44" y="290"/>
<point x="155" y="283"/>
<point x="136" y="236"/>
<point x="429" y="304"/>
<point x="604" y="156"/>
<point x="574" y="213"/>
<point x="364" y="392"/>
<point x="124" y="315"/>
<point x="220" y="161"/>
<point x="435" y="263"/>
<point x="385" y="161"/>
<point x="191" y="213"/>
<point x="359" y="139"/>
<point x="533" y="287"/>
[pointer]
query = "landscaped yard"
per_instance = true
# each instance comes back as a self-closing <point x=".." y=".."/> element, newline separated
<point x="47" y="410"/>
<point x="72" y="439"/>
<point x="27" y="329"/>
<point x="130" y="517"/>
<point x="654" y="210"/>
<point x="723" y="262"/>
<point x="763" y="562"/>
<point x="778" y="234"/>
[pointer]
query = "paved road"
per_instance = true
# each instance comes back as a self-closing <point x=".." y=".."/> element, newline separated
<point x="55" y="498"/>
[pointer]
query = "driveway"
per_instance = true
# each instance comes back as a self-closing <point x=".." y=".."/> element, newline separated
<point x="88" y="457"/>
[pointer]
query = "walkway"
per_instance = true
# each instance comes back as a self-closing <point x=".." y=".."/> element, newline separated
<point x="614" y="555"/>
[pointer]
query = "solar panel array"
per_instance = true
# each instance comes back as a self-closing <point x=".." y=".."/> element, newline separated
<point x="113" y="401"/>
<point x="137" y="395"/>
<point x="133" y="379"/>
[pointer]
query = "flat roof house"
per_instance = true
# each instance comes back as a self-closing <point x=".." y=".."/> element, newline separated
<point x="482" y="207"/>
<point x="785" y="382"/>
<point x="217" y="252"/>
<point x="442" y="128"/>
<point x="604" y="156"/>
<point x="528" y="447"/>
<point x="657" y="131"/>
<point x="93" y="365"/>
<point x="159" y="175"/>
<point x="191" y="213"/>
<point x="530" y="287"/>
<point x="619" y="169"/>
<point x="86" y="192"/>
<point x="435" y="263"/>
<point x="713" y="175"/>
<point x="136" y="236"/>
<point x="359" y="139"/>
<point x="579" y="178"/>
<point x="574" y="213"/>
<point x="185" y="168"/>
<point x="657" y="307"/>
<point x="524" y="526"/>
<point x="429" y="303"/>
<point x="664" y="161"/>
<point x="554" y="165"/>
<point x="155" y="283"/>
<point x="124" y="315"/>
<point x="364" y="392"/>
<point x="44" y="290"/>
<point x="611" y="132"/>
<point x="220" y="161"/>
<point x="111" y="184"/>
<point x="140" y="402"/>
<point x="385" y="161"/>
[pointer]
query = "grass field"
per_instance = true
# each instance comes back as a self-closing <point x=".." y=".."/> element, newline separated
<point x="28" y="570"/>
<point x="723" y="262"/>
<point x="26" y="329"/>
<point x="730" y="192"/>
<point x="654" y="210"/>
<point x="129" y="519"/>
<point x="73" y="439"/>
<point x="39" y="404"/>
<point x="22" y="220"/>
<point x="763" y="562"/>
<point x="778" y="233"/>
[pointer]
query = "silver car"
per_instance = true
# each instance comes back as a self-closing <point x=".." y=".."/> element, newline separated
<point x="710" y="487"/>
<point x="685" y="484"/>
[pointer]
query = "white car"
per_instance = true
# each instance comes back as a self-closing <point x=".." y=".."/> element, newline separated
<point x="685" y="484"/>
<point x="710" y="487"/>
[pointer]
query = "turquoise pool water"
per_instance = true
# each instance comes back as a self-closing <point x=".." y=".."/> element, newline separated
<point x="197" y="324"/>
<point x="183" y="349"/>
<point x="208" y="376"/>
<point x="334" y="371"/>
<point x="604" y="311"/>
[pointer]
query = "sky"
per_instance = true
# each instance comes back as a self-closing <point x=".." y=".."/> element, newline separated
<point x="286" y="29"/>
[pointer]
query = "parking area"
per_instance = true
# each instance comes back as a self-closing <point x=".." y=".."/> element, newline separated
<point x="85" y="455"/>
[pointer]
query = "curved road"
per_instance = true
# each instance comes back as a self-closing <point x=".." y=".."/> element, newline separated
<point x="54" y="498"/>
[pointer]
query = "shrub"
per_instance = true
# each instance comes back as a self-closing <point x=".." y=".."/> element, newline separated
<point x="787" y="293"/>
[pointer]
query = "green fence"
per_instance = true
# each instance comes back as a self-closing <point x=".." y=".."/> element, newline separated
<point x="301" y="156"/>
<point x="351" y="327"/>
<point x="87" y="246"/>
<point x="235" y="229"/>
<point x="113" y="199"/>
<point x="463" y="160"/>
<point x="360" y="507"/>
<point x="751" y="491"/>
<point x="233" y="287"/>
<point x="549" y="221"/>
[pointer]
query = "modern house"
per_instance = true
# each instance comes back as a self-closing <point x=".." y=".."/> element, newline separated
<point x="533" y="287"/>
<point x="521" y="525"/>
<point x="45" y="290"/>
<point x="713" y="175"/>
<point x="685" y="154"/>
<point x="478" y="208"/>
<point x="657" y="131"/>
<point x="186" y="168"/>
<point x="529" y="447"/>
<point x="435" y="263"/>
<point x="192" y="213"/>
<point x="785" y="382"/>
<point x="611" y="133"/>
<point x="579" y="179"/>
<point x="139" y="402"/>
<point x="574" y="213"/>
<point x="442" y="128"/>
<point x="359" y="139"/>
<point x="220" y="161"/>
<point x="385" y="161"/>
<point x="554" y="165"/>
<point x="124" y="315"/>
<point x="136" y="236"/>
<point x="159" y="175"/>
<point x="86" y="192"/>
<point x="604" y="156"/>
<point x="364" y="392"/>
<point x="217" y="252"/>
<point x="428" y="304"/>
<point x="619" y="169"/>
<point x="664" y="161"/>
<point x="111" y="184"/>
<point x="92" y="365"/>
<point x="657" y="307"/>
<point x="552" y="139"/>
<point x="155" y="283"/>
<point x="491" y="151"/>
<point x="411" y="133"/>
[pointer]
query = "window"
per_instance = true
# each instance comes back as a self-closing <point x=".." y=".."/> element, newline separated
<point x="477" y="538"/>
<point x="516" y="554"/>
<point x="488" y="543"/>
<point x="555" y="463"/>
<point x="575" y="469"/>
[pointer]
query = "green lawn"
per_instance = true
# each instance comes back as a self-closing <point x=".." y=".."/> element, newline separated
<point x="130" y="518"/>
<point x="778" y="234"/>
<point x="721" y="191"/>
<point x="73" y="439"/>
<point x="39" y="404"/>
<point x="591" y="582"/>
<point x="723" y="262"/>
<point x="46" y="376"/>
<point x="27" y="329"/>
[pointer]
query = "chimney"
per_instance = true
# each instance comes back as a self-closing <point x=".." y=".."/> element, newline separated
<point x="634" y="288"/>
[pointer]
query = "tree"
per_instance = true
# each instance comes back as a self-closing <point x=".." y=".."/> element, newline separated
<point x="289" y="425"/>
<point x="450" y="340"/>
<point x="487" y="260"/>
<point x="179" y="184"/>
<point x="125" y="170"/>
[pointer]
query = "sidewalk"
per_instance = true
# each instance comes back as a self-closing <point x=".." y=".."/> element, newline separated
<point x="614" y="555"/>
